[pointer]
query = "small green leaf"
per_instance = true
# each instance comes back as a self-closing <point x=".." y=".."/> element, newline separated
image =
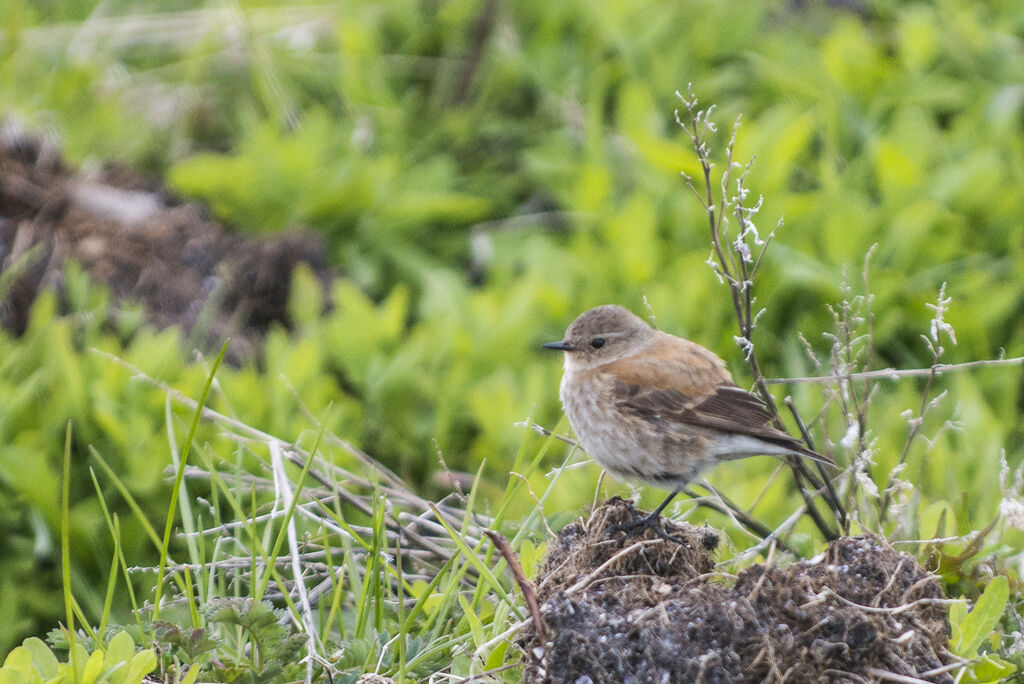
<point x="935" y="519"/>
<point x="475" y="625"/>
<point x="78" y="658"/>
<point x="19" y="660"/>
<point x="980" y="622"/>
<point x="989" y="668"/>
<point x="305" y="298"/>
<point x="144" y="662"/>
<point x="42" y="657"/>
<point x="530" y="556"/>
<point x="957" y="613"/>
<point x="497" y="657"/>
<point x="120" y="649"/>
<point x="10" y="676"/>
<point x="93" y="668"/>
<point x="190" y="678"/>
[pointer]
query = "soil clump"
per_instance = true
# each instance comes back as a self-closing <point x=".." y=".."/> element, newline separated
<point x="647" y="609"/>
<point x="132" y="235"/>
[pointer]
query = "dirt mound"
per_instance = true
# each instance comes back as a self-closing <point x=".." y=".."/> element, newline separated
<point x="129" y="233"/>
<point x="645" y="609"/>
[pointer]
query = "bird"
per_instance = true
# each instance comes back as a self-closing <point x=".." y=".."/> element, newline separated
<point x="659" y="409"/>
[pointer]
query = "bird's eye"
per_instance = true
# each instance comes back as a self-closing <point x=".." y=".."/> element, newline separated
<point x="597" y="342"/>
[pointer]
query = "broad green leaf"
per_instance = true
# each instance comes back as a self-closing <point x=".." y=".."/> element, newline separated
<point x="93" y="667"/>
<point x="989" y="668"/>
<point x="980" y="622"/>
<point x="190" y="678"/>
<point x="19" y="660"/>
<point x="935" y="519"/>
<point x="497" y="657"/>
<point x="957" y="613"/>
<point x="120" y="649"/>
<point x="12" y="676"/>
<point x="144" y="662"/>
<point x="43" y="658"/>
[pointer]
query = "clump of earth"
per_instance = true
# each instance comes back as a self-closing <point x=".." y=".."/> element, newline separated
<point x="650" y="609"/>
<point x="132" y="235"/>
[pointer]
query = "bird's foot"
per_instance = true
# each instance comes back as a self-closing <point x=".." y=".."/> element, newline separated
<point x="639" y="525"/>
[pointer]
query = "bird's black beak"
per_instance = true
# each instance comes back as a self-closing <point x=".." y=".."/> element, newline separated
<point x="559" y="346"/>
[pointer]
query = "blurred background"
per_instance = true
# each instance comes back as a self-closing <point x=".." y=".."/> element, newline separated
<point x="456" y="181"/>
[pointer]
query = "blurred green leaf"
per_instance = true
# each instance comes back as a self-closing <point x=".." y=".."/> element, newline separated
<point x="981" y="620"/>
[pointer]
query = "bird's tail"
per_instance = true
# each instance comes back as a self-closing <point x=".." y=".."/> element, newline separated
<point x="813" y="455"/>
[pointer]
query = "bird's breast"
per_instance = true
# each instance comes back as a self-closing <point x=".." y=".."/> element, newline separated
<point x="614" y="439"/>
<point x="586" y="398"/>
<point x="626" y="445"/>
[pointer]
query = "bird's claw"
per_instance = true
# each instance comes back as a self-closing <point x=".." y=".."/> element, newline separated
<point x="640" y="525"/>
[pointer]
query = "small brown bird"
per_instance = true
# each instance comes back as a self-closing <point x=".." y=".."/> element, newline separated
<point x="653" y="407"/>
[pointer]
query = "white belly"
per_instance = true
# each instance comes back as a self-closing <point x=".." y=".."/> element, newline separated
<point x="627" y="446"/>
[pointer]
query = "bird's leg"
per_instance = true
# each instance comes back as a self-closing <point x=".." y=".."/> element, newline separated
<point x="651" y="521"/>
<point x="668" y="499"/>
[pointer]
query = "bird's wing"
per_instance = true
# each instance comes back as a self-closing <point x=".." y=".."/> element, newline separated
<point x="727" y="408"/>
<point x="688" y="384"/>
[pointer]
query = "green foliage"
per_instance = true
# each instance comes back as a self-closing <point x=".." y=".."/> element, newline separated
<point x="274" y="652"/>
<point x="188" y="645"/>
<point x="969" y="630"/>
<point x="34" y="663"/>
<point x="480" y="180"/>
<point x="370" y="616"/>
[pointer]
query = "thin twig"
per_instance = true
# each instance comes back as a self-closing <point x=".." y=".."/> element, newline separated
<point x="917" y="423"/>
<point x="547" y="433"/>
<point x="833" y="498"/>
<point x="733" y="510"/>
<point x="504" y="636"/>
<point x="596" y="573"/>
<point x="948" y="668"/>
<point x="529" y="593"/>
<point x="899" y="374"/>
<point x="731" y="265"/>
<point x="887" y="676"/>
<point x="884" y="610"/>
<point x="486" y="673"/>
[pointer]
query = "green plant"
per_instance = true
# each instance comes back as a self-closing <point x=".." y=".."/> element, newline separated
<point x="118" y="663"/>
<point x="477" y="193"/>
<point x="971" y="630"/>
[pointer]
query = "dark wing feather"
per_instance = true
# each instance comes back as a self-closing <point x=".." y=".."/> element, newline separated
<point x="735" y="405"/>
<point x="728" y="408"/>
<point x="677" y="380"/>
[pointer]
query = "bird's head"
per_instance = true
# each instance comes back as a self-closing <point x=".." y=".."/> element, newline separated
<point x="602" y="335"/>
